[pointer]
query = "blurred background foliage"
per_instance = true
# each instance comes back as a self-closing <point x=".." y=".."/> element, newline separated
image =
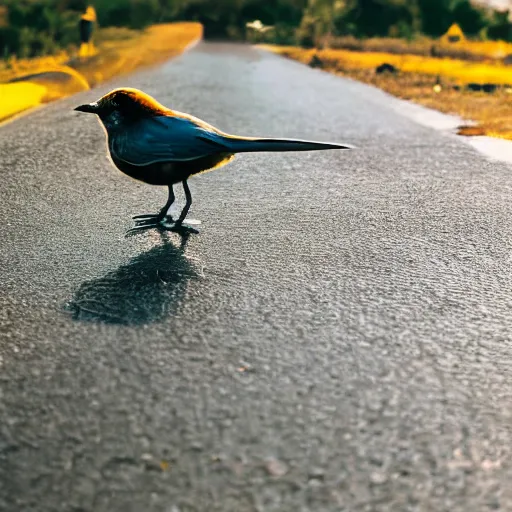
<point x="39" y="27"/>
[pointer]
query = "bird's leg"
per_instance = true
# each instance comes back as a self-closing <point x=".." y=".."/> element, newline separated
<point x="163" y="212"/>
<point x="163" y="221"/>
<point x="178" y="226"/>
<point x="146" y="219"/>
<point x="186" y="208"/>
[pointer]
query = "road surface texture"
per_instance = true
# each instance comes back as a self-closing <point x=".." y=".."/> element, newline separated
<point x="337" y="338"/>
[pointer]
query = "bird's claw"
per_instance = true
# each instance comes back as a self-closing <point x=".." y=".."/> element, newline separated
<point x="144" y="219"/>
<point x="167" y="224"/>
<point x="137" y="229"/>
<point x="181" y="228"/>
<point x="144" y="216"/>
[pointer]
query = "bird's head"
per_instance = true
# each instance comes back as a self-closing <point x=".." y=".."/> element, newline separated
<point x="122" y="106"/>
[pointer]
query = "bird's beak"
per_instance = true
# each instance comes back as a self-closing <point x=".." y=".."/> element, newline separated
<point x="88" y="107"/>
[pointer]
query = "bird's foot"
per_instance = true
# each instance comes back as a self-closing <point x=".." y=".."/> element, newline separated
<point x="144" y="222"/>
<point x="148" y="221"/>
<point x="184" y="229"/>
<point x="150" y="218"/>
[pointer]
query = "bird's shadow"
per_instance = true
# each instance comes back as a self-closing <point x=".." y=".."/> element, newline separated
<point x="148" y="289"/>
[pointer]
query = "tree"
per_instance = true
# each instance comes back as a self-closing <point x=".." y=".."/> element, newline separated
<point x="500" y="27"/>
<point x="435" y="16"/>
<point x="379" y="17"/>
<point x="470" y="18"/>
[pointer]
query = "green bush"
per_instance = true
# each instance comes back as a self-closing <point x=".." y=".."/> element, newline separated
<point x="36" y="27"/>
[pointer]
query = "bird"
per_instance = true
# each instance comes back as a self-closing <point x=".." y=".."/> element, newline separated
<point x="159" y="146"/>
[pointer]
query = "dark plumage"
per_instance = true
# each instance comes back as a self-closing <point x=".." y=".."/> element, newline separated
<point x="159" y="146"/>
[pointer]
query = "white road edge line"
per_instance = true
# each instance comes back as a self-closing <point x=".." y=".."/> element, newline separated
<point x="493" y="148"/>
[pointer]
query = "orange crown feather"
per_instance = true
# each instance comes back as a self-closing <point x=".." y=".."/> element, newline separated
<point x="138" y="100"/>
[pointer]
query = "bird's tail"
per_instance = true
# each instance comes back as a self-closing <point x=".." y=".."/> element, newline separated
<point x="243" y="145"/>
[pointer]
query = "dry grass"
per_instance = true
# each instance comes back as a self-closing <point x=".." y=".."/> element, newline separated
<point x="20" y="96"/>
<point x="416" y="81"/>
<point x="14" y="68"/>
<point x="121" y="54"/>
<point x="119" y="51"/>
<point x="463" y="50"/>
<point x="458" y="70"/>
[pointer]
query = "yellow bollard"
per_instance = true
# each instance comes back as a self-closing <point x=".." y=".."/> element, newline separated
<point x="86" y="30"/>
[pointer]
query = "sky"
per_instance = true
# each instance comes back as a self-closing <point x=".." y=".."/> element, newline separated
<point x="499" y="4"/>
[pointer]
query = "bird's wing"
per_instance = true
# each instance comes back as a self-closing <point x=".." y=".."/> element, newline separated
<point x="166" y="139"/>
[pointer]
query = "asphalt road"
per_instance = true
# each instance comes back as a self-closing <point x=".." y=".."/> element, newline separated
<point x="337" y="338"/>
